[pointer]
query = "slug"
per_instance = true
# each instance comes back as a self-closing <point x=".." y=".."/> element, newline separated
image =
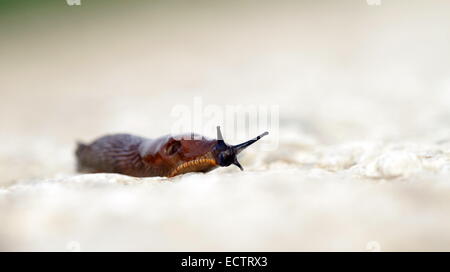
<point x="166" y="156"/>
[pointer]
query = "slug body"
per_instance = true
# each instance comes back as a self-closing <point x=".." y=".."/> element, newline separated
<point x="166" y="156"/>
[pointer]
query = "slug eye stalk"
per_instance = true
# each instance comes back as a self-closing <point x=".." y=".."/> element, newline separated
<point x="227" y="154"/>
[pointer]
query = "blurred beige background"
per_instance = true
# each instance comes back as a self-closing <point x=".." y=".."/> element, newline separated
<point x="364" y="93"/>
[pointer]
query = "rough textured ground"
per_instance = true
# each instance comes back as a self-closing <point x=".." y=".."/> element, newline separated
<point x="364" y="147"/>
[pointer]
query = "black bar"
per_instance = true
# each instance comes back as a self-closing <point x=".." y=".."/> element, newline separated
<point x="223" y="261"/>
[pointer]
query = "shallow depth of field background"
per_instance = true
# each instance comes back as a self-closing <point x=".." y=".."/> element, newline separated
<point x="363" y="161"/>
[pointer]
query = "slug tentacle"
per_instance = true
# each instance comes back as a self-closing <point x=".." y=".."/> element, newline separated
<point x="165" y="156"/>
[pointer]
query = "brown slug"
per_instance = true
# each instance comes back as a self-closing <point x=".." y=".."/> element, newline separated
<point x="166" y="156"/>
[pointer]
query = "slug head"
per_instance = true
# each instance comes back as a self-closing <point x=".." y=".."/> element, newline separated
<point x="191" y="153"/>
<point x="226" y="155"/>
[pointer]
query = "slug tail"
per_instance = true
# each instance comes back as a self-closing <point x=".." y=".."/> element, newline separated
<point x="80" y="153"/>
<point x="80" y="148"/>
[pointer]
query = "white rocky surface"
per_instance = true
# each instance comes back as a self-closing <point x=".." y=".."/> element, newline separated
<point x="363" y="161"/>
